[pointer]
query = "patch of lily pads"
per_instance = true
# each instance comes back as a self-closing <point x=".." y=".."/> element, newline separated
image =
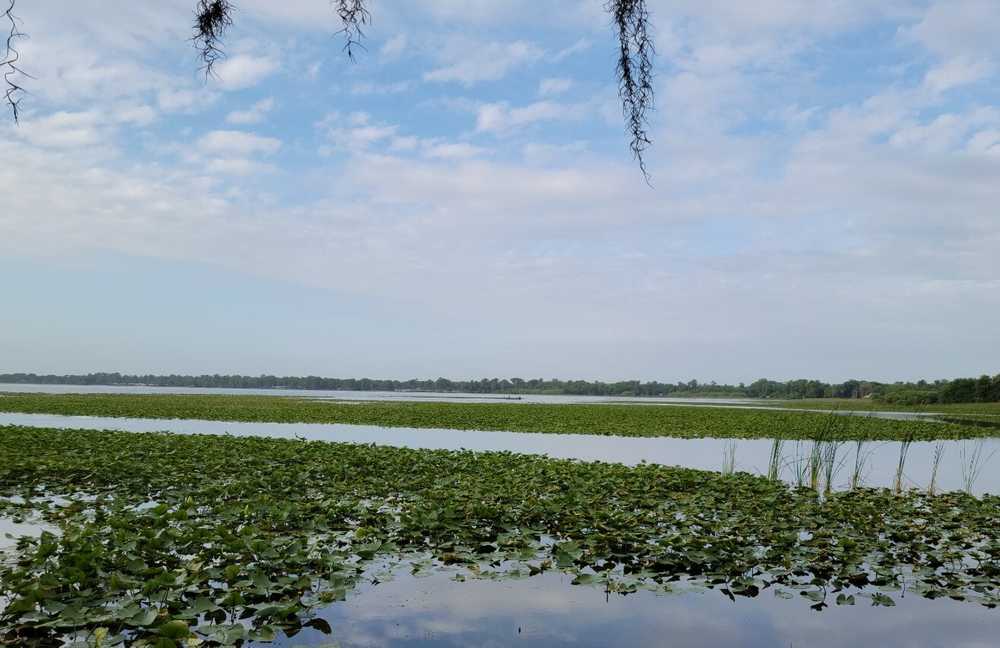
<point x="170" y="540"/>
<point x="602" y="419"/>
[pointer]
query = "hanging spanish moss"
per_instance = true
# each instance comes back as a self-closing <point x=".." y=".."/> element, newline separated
<point x="353" y="16"/>
<point x="212" y="19"/>
<point x="13" y="93"/>
<point x="635" y="71"/>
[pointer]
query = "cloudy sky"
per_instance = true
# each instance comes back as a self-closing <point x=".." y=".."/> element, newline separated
<point x="461" y="201"/>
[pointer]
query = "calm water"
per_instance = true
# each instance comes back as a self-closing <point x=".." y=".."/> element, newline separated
<point x="879" y="466"/>
<point x="433" y="609"/>
<point x="410" y="612"/>
<point x="10" y="531"/>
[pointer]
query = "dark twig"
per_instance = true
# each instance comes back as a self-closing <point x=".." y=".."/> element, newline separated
<point x="635" y="71"/>
<point x="353" y="16"/>
<point x="13" y="93"/>
<point x="212" y="19"/>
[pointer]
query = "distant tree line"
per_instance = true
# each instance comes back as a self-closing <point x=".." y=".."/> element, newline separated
<point x="959" y="390"/>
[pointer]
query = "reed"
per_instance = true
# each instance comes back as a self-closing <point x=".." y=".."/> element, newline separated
<point x="973" y="462"/>
<point x="830" y="464"/>
<point x="904" y="450"/>
<point x="729" y="458"/>
<point x="815" y="465"/>
<point x="935" y="463"/>
<point x="800" y="466"/>
<point x="860" y="459"/>
<point x="774" y="464"/>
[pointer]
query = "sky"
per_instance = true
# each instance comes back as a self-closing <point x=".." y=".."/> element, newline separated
<point x="461" y="201"/>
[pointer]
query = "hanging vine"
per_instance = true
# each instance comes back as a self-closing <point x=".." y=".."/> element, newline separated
<point x="353" y="16"/>
<point x="212" y="19"/>
<point x="635" y="71"/>
<point x="13" y="92"/>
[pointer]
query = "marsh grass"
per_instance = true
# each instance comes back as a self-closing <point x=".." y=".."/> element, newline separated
<point x="831" y="466"/>
<point x="774" y="463"/>
<point x="935" y="463"/>
<point x="973" y="462"/>
<point x="904" y="450"/>
<point x="800" y="466"/>
<point x="822" y="465"/>
<point x="861" y="458"/>
<point x="815" y="464"/>
<point x="729" y="458"/>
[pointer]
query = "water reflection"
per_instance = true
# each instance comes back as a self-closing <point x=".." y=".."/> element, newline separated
<point x="547" y="611"/>
<point x="879" y="461"/>
<point x="10" y="531"/>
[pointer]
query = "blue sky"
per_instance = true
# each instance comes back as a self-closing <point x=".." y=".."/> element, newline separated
<point x="461" y="201"/>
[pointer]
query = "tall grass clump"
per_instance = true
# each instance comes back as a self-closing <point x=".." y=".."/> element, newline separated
<point x="904" y="450"/>
<point x="774" y="463"/>
<point x="830" y="464"/>
<point x="860" y="460"/>
<point x="935" y="463"/>
<point x="800" y="466"/>
<point x="729" y="458"/>
<point x="973" y="462"/>
<point x="815" y="464"/>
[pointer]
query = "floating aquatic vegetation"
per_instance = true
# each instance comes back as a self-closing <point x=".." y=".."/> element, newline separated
<point x="165" y="538"/>
<point x="620" y="420"/>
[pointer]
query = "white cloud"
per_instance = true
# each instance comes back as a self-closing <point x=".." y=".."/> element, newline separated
<point x="501" y="118"/>
<point x="471" y="62"/>
<point x="453" y="151"/>
<point x="140" y="115"/>
<point x="182" y="100"/>
<point x="582" y="45"/>
<point x="551" y="87"/>
<point x="354" y="132"/>
<point x="985" y="142"/>
<point x="405" y="143"/>
<point x="237" y="166"/>
<point x="373" y="88"/>
<point x="534" y="153"/>
<point x="393" y="47"/>
<point x="958" y="28"/>
<point x="223" y="142"/>
<point x="957" y="72"/>
<point x="64" y="130"/>
<point x="244" y="71"/>
<point x="253" y="115"/>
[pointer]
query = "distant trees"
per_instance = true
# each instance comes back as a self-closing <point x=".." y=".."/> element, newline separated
<point x="961" y="390"/>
